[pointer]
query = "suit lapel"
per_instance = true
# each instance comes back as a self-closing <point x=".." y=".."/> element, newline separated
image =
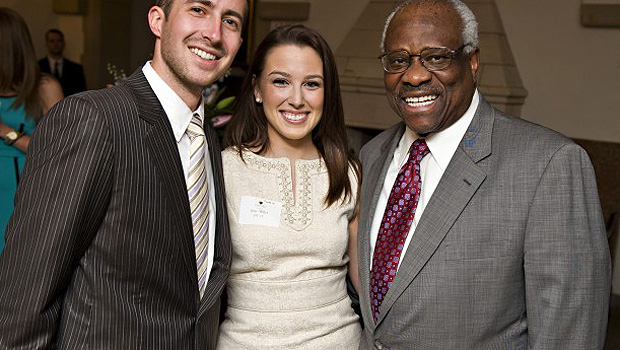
<point x="457" y="186"/>
<point x="372" y="184"/>
<point x="164" y="153"/>
<point x="46" y="66"/>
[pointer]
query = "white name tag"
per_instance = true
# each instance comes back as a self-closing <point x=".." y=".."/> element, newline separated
<point x="258" y="211"/>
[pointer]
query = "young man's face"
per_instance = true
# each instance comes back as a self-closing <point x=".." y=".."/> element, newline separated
<point x="197" y="41"/>
<point x="55" y="43"/>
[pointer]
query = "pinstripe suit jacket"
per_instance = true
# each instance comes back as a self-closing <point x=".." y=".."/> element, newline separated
<point x="510" y="251"/>
<point x="100" y="251"/>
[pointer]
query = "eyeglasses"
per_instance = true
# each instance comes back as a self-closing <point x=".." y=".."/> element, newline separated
<point x="432" y="58"/>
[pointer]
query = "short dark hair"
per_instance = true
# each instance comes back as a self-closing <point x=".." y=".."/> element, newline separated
<point x="248" y="125"/>
<point x="166" y="5"/>
<point x="55" y="31"/>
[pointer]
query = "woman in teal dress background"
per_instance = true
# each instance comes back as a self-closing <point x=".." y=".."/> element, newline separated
<point x="25" y="95"/>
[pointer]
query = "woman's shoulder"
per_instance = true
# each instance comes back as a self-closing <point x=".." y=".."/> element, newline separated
<point x="229" y="154"/>
<point x="48" y="82"/>
<point x="231" y="157"/>
<point x="50" y="92"/>
<point x="232" y="152"/>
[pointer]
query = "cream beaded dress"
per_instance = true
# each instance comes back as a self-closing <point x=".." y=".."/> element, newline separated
<point x="287" y="287"/>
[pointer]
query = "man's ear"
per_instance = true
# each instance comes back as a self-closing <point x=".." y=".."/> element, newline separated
<point x="474" y="61"/>
<point x="156" y="20"/>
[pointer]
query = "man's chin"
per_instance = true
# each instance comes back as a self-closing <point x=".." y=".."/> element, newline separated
<point x="420" y="125"/>
<point x="204" y="80"/>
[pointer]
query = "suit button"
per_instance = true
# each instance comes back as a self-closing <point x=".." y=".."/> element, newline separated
<point x="378" y="345"/>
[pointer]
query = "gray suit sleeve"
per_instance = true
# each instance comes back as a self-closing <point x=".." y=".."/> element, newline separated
<point x="567" y="263"/>
<point x="59" y="204"/>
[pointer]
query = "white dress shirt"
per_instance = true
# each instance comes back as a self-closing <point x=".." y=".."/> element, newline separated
<point x="52" y="62"/>
<point x="442" y="146"/>
<point x="180" y="115"/>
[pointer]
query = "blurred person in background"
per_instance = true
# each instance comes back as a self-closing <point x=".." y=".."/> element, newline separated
<point x="69" y="74"/>
<point x="25" y="95"/>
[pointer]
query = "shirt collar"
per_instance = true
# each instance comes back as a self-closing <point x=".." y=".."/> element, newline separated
<point x="179" y="114"/>
<point x="53" y="60"/>
<point x="443" y="145"/>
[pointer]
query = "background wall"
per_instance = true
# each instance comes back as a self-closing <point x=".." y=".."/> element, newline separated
<point x="572" y="73"/>
<point x="335" y="27"/>
<point x="331" y="18"/>
<point x="40" y="17"/>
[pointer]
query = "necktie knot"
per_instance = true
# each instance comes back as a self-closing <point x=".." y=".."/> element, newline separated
<point x="417" y="151"/>
<point x="195" y="126"/>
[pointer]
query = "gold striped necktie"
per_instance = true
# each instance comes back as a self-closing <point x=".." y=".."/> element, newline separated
<point x="198" y="192"/>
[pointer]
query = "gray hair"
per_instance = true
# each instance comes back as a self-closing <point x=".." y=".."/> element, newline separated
<point x="470" y="25"/>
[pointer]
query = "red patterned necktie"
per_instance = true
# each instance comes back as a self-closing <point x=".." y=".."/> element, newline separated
<point x="395" y="225"/>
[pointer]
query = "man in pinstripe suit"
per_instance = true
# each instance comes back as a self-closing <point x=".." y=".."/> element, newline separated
<point x="100" y="251"/>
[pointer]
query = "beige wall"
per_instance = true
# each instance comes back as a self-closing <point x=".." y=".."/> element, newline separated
<point x="572" y="73"/>
<point x="610" y="2"/>
<point x="332" y="18"/>
<point x="334" y="27"/>
<point x="40" y="17"/>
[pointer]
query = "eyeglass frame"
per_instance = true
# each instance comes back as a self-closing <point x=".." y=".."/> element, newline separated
<point x="452" y="53"/>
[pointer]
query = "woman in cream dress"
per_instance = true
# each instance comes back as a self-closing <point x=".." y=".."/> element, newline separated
<point x="291" y="189"/>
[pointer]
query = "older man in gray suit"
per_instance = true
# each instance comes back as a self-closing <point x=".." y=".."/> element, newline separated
<point x="477" y="230"/>
<point x="120" y="236"/>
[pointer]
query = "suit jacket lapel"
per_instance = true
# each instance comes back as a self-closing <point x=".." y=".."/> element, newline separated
<point x="46" y="66"/>
<point x="372" y="183"/>
<point x="457" y="186"/>
<point x="162" y="145"/>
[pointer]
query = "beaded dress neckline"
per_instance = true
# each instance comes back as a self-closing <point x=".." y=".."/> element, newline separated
<point x="297" y="214"/>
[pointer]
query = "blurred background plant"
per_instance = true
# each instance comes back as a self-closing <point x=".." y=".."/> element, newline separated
<point x="117" y="74"/>
<point x="218" y="107"/>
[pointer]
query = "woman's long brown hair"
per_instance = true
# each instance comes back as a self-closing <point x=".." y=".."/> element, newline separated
<point x="19" y="70"/>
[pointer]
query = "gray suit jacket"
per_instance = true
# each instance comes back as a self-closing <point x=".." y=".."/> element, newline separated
<point x="510" y="252"/>
<point x="100" y="251"/>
